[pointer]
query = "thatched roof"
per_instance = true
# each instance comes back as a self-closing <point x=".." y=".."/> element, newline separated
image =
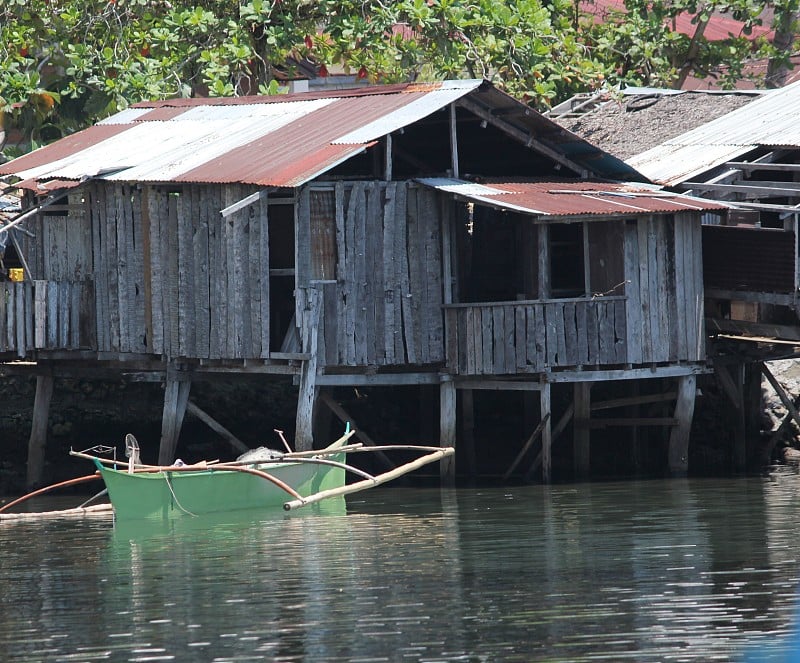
<point x="628" y="125"/>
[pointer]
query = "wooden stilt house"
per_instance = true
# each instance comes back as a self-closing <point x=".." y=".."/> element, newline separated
<point x="436" y="234"/>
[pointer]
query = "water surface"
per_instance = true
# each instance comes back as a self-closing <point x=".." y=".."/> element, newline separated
<point x="684" y="570"/>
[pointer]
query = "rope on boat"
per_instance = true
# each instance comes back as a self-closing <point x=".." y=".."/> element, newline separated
<point x="175" y="497"/>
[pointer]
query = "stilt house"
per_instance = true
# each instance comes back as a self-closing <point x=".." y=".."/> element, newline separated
<point x="437" y="234"/>
<point x="749" y="158"/>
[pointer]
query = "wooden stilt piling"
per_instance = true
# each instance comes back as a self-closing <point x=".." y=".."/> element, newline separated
<point x="176" y="397"/>
<point x="679" y="437"/>
<point x="447" y="427"/>
<point x="38" y="439"/>
<point x="581" y="431"/>
<point x="547" y="439"/>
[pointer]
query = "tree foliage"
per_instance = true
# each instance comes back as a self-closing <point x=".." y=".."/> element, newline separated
<point x="66" y="63"/>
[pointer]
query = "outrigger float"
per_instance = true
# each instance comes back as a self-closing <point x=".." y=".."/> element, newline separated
<point x="263" y="479"/>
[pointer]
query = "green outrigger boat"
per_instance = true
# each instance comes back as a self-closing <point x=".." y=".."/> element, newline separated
<point x="286" y="480"/>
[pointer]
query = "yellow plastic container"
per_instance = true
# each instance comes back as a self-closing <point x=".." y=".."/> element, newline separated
<point x="16" y="274"/>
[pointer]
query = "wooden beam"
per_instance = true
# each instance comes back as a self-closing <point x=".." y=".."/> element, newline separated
<point x="676" y="370"/>
<point x="633" y="421"/>
<point x="522" y="136"/>
<point x="38" y="438"/>
<point x="217" y="427"/>
<point x="559" y="428"/>
<point x="376" y="379"/>
<point x="345" y="418"/>
<point x="753" y="190"/>
<point x="787" y="402"/>
<point x="497" y="385"/>
<point x="453" y="142"/>
<point x="753" y="165"/>
<point x="244" y="202"/>
<point x="309" y="390"/>
<point x="633" y="400"/>
<point x="759" y="329"/>
<point x="528" y="443"/>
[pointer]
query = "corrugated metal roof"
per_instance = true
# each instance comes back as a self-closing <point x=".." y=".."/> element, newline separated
<point x="280" y="141"/>
<point x="573" y="198"/>
<point x="769" y="121"/>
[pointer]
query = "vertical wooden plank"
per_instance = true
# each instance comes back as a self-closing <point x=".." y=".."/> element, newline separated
<point x="433" y="277"/>
<point x="654" y="291"/>
<point x="544" y="261"/>
<point x="373" y="283"/>
<point x="11" y="307"/>
<point x="399" y="269"/>
<point x="531" y="359"/>
<point x="360" y="247"/>
<point x="4" y="295"/>
<point x="386" y="321"/>
<point x="620" y="333"/>
<point x="115" y="244"/>
<point x="452" y="331"/>
<point x="498" y="340"/>
<point x="349" y="293"/>
<point x="520" y="338"/>
<point x="570" y="335"/>
<point x="633" y="321"/>
<point x="200" y="277"/>
<point x="157" y="206"/>
<point x="265" y="283"/>
<point x="582" y="344"/>
<point x="592" y="333"/>
<point x="487" y="332"/>
<point x="551" y="312"/>
<point x="26" y="291"/>
<point x="642" y="230"/>
<point x="413" y="303"/>
<point x="39" y="314"/>
<point x="52" y="315"/>
<point x="307" y="396"/>
<point x="63" y="313"/>
<point x="253" y="275"/>
<point x="302" y="241"/>
<point x="509" y="333"/>
<point x="681" y="231"/>
<point x="404" y="338"/>
<point x="540" y="336"/>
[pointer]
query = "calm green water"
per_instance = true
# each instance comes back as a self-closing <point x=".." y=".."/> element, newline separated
<point x="683" y="570"/>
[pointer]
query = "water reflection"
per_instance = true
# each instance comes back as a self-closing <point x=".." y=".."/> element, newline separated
<point x="653" y="570"/>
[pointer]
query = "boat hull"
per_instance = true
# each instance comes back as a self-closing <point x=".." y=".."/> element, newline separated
<point x="174" y="494"/>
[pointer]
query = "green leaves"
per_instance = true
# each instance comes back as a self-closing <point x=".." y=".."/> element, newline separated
<point x="97" y="56"/>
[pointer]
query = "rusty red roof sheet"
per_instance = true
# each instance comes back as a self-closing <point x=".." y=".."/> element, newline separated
<point x="574" y="198"/>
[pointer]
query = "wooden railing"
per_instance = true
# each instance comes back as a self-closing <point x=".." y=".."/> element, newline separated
<point x="505" y="338"/>
<point x="47" y="315"/>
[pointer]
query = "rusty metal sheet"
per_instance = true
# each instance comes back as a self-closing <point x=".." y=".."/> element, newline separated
<point x="573" y="198"/>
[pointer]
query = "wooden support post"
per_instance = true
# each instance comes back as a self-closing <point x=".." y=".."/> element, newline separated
<point x="447" y="427"/>
<point x="468" y="430"/>
<point x="581" y="430"/>
<point x="38" y="439"/>
<point x="679" y="436"/>
<point x="176" y="398"/>
<point x="731" y="379"/>
<point x="309" y="391"/>
<point x="547" y="440"/>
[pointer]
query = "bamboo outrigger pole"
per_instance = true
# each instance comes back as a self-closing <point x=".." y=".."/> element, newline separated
<point x="370" y="483"/>
<point x="47" y="489"/>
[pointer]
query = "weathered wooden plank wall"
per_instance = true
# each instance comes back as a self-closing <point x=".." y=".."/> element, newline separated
<point x="664" y="286"/>
<point x="174" y="277"/>
<point x="507" y="338"/>
<point x="385" y="308"/>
